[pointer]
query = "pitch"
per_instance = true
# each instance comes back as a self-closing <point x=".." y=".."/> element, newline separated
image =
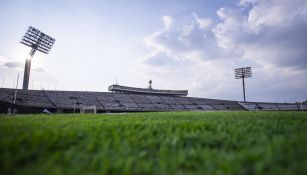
<point x="155" y="143"/>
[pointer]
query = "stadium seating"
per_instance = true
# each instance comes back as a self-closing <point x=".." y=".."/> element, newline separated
<point x="249" y="106"/>
<point x="288" y="107"/>
<point x="120" y="102"/>
<point x="267" y="106"/>
<point x="303" y="107"/>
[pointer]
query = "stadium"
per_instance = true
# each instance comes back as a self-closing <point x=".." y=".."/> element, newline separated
<point x="191" y="121"/>
<point x="124" y="99"/>
<point x="120" y="98"/>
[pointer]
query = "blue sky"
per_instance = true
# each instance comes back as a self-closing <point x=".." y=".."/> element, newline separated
<point x="178" y="44"/>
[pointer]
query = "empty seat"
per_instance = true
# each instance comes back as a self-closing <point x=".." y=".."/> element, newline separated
<point x="206" y="107"/>
<point x="287" y="107"/>
<point x="267" y="106"/>
<point x="250" y="106"/>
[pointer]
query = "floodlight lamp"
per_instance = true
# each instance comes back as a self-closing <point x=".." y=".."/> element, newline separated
<point x="37" y="40"/>
<point x="245" y="72"/>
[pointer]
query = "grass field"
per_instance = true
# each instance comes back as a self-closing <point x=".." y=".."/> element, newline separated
<point x="155" y="143"/>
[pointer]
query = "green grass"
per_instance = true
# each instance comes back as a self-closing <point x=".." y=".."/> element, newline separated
<point x="155" y="143"/>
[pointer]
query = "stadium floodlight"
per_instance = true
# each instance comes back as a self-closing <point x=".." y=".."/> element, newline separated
<point x="37" y="40"/>
<point x="242" y="73"/>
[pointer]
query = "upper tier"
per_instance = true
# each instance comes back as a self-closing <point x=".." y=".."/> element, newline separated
<point x="126" y="89"/>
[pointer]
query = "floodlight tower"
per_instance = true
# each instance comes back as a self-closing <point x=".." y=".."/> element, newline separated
<point x="242" y="73"/>
<point x="37" y="40"/>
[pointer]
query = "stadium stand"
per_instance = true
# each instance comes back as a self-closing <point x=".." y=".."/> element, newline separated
<point x="267" y="106"/>
<point x="288" y="107"/>
<point x="303" y="107"/>
<point x="35" y="101"/>
<point x="249" y="106"/>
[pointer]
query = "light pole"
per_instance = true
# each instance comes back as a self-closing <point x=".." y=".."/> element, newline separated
<point x="242" y="73"/>
<point x="37" y="40"/>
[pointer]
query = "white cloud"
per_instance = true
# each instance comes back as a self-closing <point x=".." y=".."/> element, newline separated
<point x="270" y="38"/>
<point x="281" y="13"/>
<point x="247" y="2"/>
<point x="13" y="64"/>
<point x="38" y="69"/>
<point x="189" y="41"/>
<point x="204" y="23"/>
<point x="167" y="20"/>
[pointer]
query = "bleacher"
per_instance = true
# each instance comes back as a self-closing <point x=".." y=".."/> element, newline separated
<point x="288" y="107"/>
<point x="270" y="106"/>
<point x="27" y="98"/>
<point x="125" y="102"/>
<point x="249" y="106"/>
<point x="302" y="106"/>
<point x="267" y="106"/>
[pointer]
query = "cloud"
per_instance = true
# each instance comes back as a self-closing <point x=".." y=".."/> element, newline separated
<point x="160" y="59"/>
<point x="13" y="65"/>
<point x="204" y="23"/>
<point x="247" y="2"/>
<point x="280" y="32"/>
<point x="267" y="35"/>
<point x="167" y="20"/>
<point x="272" y="28"/>
<point x="189" y="41"/>
<point x="16" y="65"/>
<point x="38" y="69"/>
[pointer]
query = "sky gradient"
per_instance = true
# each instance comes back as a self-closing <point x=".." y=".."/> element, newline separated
<point x="178" y="44"/>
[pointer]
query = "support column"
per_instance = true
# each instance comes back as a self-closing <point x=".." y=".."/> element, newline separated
<point x="26" y="74"/>
<point x="243" y="89"/>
